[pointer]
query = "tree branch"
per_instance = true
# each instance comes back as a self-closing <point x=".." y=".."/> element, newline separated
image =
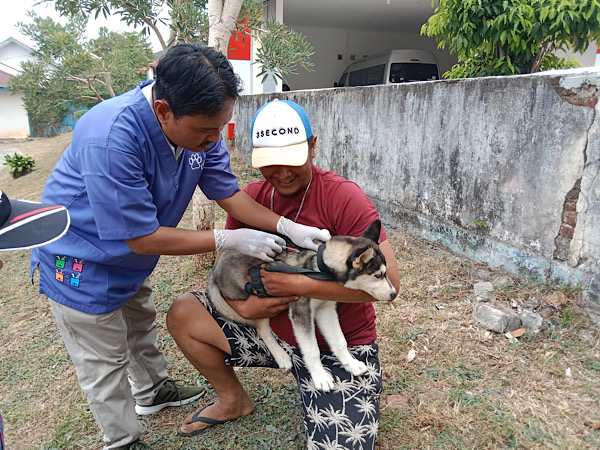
<point x="74" y="78"/>
<point x="81" y="97"/>
<point x="147" y="21"/>
<point x="89" y="84"/>
<point x="108" y="84"/>
<point x="537" y="64"/>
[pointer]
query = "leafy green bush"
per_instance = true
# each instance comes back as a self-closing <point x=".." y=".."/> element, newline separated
<point x="19" y="164"/>
<point x="497" y="37"/>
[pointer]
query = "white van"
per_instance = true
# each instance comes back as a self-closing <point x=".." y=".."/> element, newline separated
<point x="395" y="66"/>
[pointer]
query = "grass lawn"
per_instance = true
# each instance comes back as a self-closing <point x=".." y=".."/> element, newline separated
<point x="467" y="388"/>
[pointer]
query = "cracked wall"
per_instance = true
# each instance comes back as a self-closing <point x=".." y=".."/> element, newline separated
<point x="504" y="170"/>
<point x="569" y="223"/>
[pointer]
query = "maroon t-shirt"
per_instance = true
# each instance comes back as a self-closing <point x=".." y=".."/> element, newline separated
<point x="340" y="206"/>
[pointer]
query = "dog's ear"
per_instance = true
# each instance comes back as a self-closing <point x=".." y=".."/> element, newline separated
<point x="363" y="258"/>
<point x="373" y="231"/>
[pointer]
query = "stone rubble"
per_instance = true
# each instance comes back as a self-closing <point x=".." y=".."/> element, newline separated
<point x="501" y="318"/>
<point x="496" y="318"/>
<point x="483" y="291"/>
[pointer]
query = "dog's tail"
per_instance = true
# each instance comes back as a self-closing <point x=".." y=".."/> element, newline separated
<point x="219" y="303"/>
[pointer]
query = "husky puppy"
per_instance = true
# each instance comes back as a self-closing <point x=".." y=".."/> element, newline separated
<point x="354" y="262"/>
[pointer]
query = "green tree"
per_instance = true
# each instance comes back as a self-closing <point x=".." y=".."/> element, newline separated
<point x="71" y="71"/>
<point x="507" y="37"/>
<point x="281" y="49"/>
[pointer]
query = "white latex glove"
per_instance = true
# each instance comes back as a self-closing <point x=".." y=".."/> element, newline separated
<point x="249" y="242"/>
<point x="302" y="235"/>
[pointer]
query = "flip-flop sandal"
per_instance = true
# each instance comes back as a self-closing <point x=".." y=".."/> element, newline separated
<point x="197" y="418"/>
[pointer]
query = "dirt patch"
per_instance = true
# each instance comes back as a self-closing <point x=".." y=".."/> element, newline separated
<point x="46" y="152"/>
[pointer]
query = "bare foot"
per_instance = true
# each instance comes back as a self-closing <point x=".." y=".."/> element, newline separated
<point x="220" y="410"/>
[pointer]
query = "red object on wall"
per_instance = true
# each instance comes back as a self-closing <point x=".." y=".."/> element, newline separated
<point x="230" y="130"/>
<point x="239" y="45"/>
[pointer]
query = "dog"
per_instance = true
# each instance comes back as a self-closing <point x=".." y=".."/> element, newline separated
<point x="354" y="262"/>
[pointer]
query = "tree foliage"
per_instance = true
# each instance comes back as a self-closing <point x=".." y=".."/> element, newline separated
<point x="281" y="49"/>
<point x="506" y="37"/>
<point x="187" y="19"/>
<point x="73" y="72"/>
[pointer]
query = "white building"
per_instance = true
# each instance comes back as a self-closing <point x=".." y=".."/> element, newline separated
<point x="14" y="122"/>
<point x="342" y="31"/>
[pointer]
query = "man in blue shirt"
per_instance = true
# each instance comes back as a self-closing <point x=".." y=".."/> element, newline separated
<point x="126" y="179"/>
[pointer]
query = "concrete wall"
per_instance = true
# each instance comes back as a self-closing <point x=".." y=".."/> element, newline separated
<point x="14" y="122"/>
<point x="503" y="170"/>
<point x="331" y="42"/>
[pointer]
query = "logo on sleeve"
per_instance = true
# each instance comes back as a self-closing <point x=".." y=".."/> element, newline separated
<point x="197" y="161"/>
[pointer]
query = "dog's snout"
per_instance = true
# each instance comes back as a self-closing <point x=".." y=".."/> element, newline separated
<point x="393" y="292"/>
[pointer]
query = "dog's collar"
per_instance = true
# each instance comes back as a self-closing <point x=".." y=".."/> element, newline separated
<point x="320" y="262"/>
<point x="255" y="285"/>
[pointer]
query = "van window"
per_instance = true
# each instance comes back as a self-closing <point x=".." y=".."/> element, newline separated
<point x="367" y="76"/>
<point x="394" y="66"/>
<point x="405" y="72"/>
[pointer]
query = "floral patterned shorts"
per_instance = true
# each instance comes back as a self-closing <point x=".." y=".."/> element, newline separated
<point x="345" y="418"/>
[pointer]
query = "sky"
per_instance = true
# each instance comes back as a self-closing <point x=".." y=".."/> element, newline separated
<point x="17" y="12"/>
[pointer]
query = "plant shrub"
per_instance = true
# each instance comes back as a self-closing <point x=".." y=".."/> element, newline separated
<point x="19" y="165"/>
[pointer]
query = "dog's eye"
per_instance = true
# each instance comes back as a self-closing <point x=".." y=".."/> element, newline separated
<point x="380" y="276"/>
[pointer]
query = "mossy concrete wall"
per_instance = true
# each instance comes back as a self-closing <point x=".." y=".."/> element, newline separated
<point x="503" y="170"/>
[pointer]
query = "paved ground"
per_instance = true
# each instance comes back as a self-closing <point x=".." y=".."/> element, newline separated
<point x="5" y="151"/>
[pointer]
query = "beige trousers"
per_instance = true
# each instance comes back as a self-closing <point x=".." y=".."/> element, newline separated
<point x="103" y="348"/>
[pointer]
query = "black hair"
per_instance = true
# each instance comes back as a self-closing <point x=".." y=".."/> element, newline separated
<point x="195" y="80"/>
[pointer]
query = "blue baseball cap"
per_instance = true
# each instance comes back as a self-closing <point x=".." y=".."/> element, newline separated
<point x="280" y="134"/>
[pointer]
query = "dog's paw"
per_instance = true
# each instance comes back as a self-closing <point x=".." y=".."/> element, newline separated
<point x="324" y="382"/>
<point x="356" y="367"/>
<point x="283" y="361"/>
